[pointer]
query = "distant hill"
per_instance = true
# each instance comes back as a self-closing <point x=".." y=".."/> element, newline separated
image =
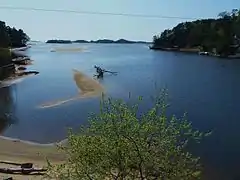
<point x="108" y="41"/>
<point x="124" y="41"/>
<point x="104" y="41"/>
<point x="119" y="41"/>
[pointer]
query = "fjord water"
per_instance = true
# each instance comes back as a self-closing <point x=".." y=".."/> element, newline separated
<point x="207" y="88"/>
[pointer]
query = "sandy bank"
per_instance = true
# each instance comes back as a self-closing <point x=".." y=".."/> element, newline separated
<point x="22" y="152"/>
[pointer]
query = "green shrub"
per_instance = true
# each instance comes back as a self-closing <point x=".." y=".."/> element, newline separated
<point x="120" y="145"/>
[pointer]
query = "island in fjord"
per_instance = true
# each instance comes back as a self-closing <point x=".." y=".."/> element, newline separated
<point x="104" y="41"/>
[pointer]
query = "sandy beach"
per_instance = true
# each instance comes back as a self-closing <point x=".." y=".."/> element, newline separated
<point x="25" y="152"/>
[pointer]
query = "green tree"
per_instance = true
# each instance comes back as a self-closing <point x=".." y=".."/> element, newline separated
<point x="4" y="36"/>
<point x="120" y="144"/>
<point x="222" y="34"/>
<point x="17" y="37"/>
<point x="10" y="37"/>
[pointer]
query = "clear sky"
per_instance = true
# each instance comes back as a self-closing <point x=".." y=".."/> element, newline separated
<point x="50" y="25"/>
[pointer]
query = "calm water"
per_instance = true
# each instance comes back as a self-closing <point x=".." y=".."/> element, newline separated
<point x="207" y="88"/>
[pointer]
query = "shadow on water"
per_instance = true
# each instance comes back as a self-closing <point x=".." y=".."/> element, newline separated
<point x="7" y="108"/>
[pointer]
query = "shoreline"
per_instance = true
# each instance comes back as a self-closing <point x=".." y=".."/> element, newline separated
<point x="20" y="151"/>
<point x="32" y="143"/>
<point x="193" y="51"/>
<point x="32" y="151"/>
<point x="188" y="50"/>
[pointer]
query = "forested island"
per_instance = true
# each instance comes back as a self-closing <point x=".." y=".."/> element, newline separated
<point x="219" y="37"/>
<point x="104" y="41"/>
<point x="59" y="41"/>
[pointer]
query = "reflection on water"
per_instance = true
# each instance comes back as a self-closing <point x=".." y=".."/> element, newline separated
<point x="7" y="108"/>
<point x="87" y="86"/>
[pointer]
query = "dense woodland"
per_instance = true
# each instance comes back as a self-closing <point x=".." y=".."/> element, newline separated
<point x="219" y="36"/>
<point x="12" y="37"/>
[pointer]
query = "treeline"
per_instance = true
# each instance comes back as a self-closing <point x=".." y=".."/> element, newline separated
<point x="59" y="41"/>
<point x="12" y="37"/>
<point x="220" y="36"/>
<point x="104" y="41"/>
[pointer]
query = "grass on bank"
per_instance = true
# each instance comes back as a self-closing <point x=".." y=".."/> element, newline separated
<point x="118" y="144"/>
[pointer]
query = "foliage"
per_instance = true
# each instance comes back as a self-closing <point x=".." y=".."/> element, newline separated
<point x="11" y="37"/>
<point x="118" y="144"/>
<point x="220" y="35"/>
<point x="5" y="56"/>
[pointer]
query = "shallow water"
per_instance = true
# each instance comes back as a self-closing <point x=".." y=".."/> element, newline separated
<point x="207" y="88"/>
<point x="88" y="88"/>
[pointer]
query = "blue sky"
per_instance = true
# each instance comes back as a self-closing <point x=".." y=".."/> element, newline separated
<point x="48" y="25"/>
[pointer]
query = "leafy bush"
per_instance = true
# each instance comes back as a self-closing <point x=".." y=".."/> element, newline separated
<point x="118" y="144"/>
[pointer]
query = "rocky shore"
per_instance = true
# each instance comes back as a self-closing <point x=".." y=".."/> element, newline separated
<point x="16" y="69"/>
<point x="195" y="51"/>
